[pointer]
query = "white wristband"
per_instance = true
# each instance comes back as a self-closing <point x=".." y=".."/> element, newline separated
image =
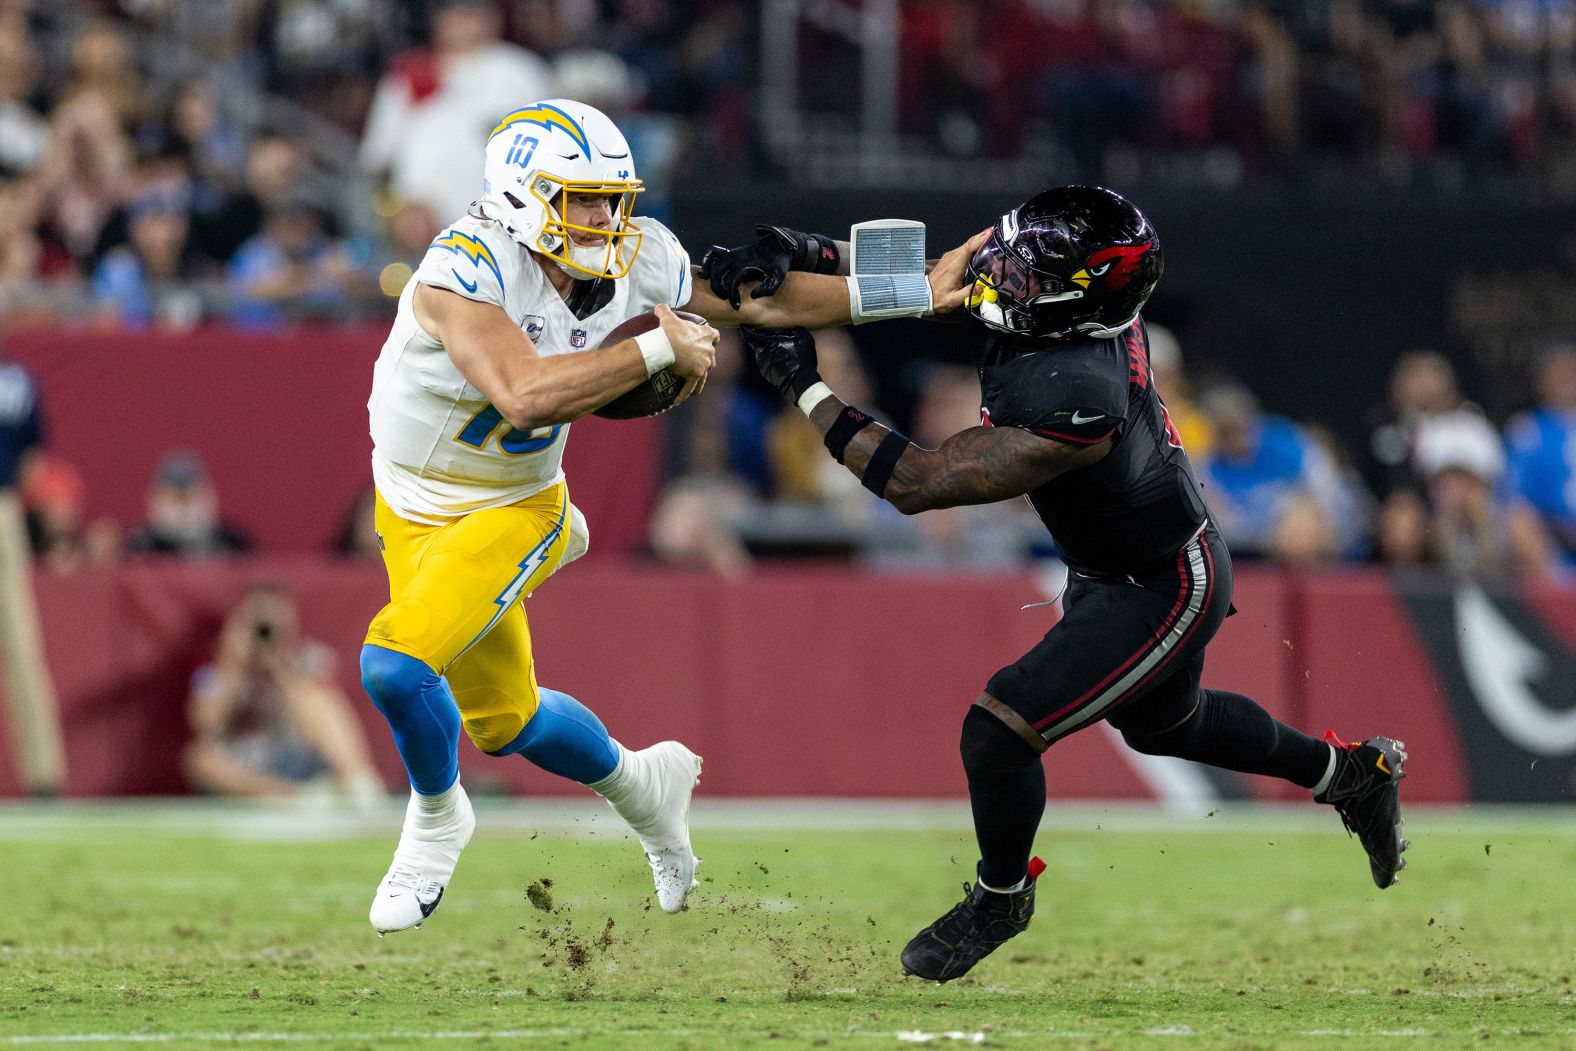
<point x="815" y="395"/>
<point x="656" y="349"/>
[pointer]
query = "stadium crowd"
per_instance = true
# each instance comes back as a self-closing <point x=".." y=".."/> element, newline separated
<point x="288" y="162"/>
<point x="171" y="161"/>
<point x="1438" y="91"/>
<point x="1434" y="484"/>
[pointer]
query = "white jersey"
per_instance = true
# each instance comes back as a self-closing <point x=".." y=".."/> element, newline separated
<point x="439" y="448"/>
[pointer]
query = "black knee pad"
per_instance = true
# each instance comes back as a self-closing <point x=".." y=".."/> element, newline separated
<point x="1151" y="744"/>
<point x="988" y="744"/>
<point x="1155" y="732"/>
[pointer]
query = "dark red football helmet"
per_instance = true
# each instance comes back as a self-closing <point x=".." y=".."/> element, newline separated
<point x="1069" y="261"/>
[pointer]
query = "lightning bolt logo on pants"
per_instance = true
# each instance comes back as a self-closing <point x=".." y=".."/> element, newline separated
<point x="528" y="567"/>
<point x="526" y="571"/>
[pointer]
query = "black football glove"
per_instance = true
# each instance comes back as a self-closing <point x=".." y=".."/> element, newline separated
<point x="785" y="356"/>
<point x="768" y="260"/>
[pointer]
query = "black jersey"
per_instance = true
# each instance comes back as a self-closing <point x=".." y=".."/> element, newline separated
<point x="1141" y="503"/>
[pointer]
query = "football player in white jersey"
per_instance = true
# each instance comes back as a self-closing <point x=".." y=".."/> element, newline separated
<point x="493" y="353"/>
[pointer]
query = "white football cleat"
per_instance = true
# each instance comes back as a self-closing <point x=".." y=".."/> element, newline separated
<point x="667" y="773"/>
<point x="429" y="848"/>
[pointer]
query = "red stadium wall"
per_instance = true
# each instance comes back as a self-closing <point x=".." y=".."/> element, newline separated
<point x="837" y="683"/>
<point x="281" y="420"/>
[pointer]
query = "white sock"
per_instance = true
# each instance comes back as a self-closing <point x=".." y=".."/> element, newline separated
<point x="628" y="791"/>
<point x="617" y="786"/>
<point x="432" y="811"/>
<point x="1022" y="884"/>
<point x="1329" y="774"/>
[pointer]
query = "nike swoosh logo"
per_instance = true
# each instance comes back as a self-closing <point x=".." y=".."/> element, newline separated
<point x="470" y="286"/>
<point x="1078" y="418"/>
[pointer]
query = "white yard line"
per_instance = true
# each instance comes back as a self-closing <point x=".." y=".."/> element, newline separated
<point x="902" y="1035"/>
<point x="590" y="818"/>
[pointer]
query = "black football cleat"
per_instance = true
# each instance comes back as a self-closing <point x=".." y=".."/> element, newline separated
<point x="1365" y="791"/>
<point x="971" y="930"/>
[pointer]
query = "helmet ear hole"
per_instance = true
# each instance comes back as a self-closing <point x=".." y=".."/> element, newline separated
<point x="513" y="200"/>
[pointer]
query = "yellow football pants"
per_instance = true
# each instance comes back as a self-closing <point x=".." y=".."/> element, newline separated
<point x="454" y="603"/>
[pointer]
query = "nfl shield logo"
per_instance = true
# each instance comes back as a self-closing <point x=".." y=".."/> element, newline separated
<point x="577" y="338"/>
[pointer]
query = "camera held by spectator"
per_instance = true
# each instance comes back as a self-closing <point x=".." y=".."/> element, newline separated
<point x="266" y="715"/>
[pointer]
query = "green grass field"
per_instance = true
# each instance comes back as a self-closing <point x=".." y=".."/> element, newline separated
<point x="198" y="927"/>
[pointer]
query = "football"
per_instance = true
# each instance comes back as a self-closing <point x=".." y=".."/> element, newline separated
<point x="654" y="395"/>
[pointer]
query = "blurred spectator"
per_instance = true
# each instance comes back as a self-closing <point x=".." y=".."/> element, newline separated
<point x="85" y="170"/>
<point x="697" y="515"/>
<point x="183" y="514"/>
<point x="275" y="167"/>
<point x="58" y="530"/>
<point x="159" y="173"/>
<point x="1099" y="92"/>
<point x="434" y="108"/>
<point x="147" y="280"/>
<point x="1542" y="458"/>
<point x="1165" y="360"/>
<point x="21" y="251"/>
<point x="102" y="69"/>
<point x="692" y="524"/>
<point x="358" y="536"/>
<point x="89" y="151"/>
<point x="292" y="270"/>
<point x="214" y="153"/>
<point x="952" y="539"/>
<point x="1271" y="488"/>
<point x="1457" y="524"/>
<point x="23" y="131"/>
<point x="693" y="61"/>
<point x="1422" y="385"/>
<point x="407" y="235"/>
<point x="267" y="719"/>
<point x="30" y="695"/>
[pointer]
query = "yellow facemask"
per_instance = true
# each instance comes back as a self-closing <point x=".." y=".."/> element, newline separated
<point x="614" y="257"/>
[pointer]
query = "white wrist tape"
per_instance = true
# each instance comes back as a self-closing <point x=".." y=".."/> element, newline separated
<point x="873" y="298"/>
<point x="815" y="395"/>
<point x="656" y="349"/>
<point x="887" y="260"/>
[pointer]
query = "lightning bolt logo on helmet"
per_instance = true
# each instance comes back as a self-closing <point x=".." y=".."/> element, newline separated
<point x="537" y="156"/>
<point x="546" y="115"/>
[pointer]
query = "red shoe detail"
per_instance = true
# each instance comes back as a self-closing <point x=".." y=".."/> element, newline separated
<point x="1331" y="738"/>
<point x="1036" y="866"/>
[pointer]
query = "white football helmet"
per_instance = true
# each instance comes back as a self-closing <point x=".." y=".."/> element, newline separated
<point x="540" y="153"/>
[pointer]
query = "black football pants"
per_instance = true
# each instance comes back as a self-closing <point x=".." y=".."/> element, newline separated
<point x="1129" y="650"/>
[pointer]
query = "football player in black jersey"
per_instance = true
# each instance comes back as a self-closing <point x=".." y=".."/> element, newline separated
<point x="1071" y="420"/>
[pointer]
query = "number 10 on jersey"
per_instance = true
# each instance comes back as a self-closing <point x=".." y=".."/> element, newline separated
<point x="480" y="428"/>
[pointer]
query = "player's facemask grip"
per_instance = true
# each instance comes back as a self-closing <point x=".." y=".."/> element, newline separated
<point x="614" y="257"/>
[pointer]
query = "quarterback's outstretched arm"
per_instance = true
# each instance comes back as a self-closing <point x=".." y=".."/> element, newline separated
<point x="811" y="300"/>
<point x="530" y="391"/>
<point x="815" y="300"/>
<point x="978" y="466"/>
